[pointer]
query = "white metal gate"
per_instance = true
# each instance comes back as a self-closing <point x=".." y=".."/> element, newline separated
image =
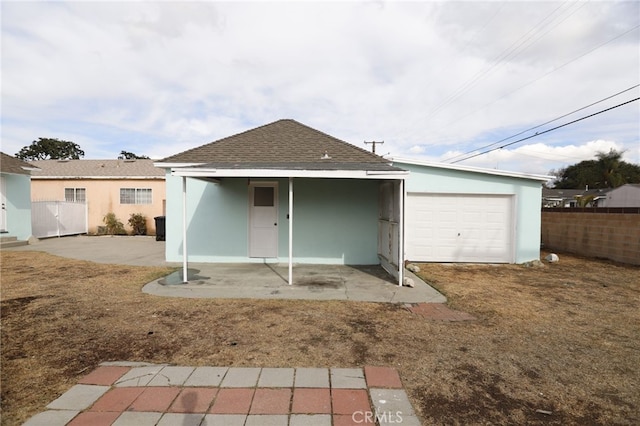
<point x="58" y="218"/>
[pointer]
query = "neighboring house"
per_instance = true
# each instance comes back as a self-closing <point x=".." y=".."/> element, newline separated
<point x="560" y="197"/>
<point x="285" y="192"/>
<point x="122" y="187"/>
<point x="623" y="196"/>
<point x="15" y="192"/>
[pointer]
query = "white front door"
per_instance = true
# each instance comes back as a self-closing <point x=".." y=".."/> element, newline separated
<point x="263" y="219"/>
<point x="3" y="199"/>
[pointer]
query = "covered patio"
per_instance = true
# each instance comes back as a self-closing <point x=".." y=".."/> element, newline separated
<point x="284" y="193"/>
<point x="368" y="283"/>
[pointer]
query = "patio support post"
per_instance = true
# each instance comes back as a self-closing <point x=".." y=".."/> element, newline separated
<point x="184" y="230"/>
<point x="401" y="236"/>
<point x="290" y="231"/>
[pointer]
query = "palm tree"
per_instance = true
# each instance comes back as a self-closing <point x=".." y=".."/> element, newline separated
<point x="608" y="165"/>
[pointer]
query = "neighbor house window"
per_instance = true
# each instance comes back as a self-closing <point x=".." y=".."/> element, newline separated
<point x="75" y="194"/>
<point x="135" y="196"/>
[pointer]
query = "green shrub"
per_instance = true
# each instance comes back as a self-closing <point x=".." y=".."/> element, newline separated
<point x="113" y="225"/>
<point x="138" y="223"/>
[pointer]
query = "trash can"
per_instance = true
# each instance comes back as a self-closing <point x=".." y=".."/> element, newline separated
<point x="160" y="227"/>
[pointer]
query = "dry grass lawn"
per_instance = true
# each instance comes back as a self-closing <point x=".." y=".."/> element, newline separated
<point x="564" y="338"/>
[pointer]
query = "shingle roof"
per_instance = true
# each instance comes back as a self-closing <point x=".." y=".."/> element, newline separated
<point x="9" y="164"/>
<point x="282" y="144"/>
<point x="97" y="168"/>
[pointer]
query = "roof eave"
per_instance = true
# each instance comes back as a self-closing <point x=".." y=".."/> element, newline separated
<point x="98" y="177"/>
<point x="520" y="175"/>
<point x="170" y="165"/>
<point x="286" y="173"/>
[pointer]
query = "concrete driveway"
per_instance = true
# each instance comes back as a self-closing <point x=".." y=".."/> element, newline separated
<point x="121" y="250"/>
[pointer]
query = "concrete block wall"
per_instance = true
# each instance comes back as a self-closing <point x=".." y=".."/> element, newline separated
<point x="609" y="235"/>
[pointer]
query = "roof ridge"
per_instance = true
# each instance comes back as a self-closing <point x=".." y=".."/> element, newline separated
<point x="289" y="131"/>
<point x="224" y="138"/>
<point x="340" y="140"/>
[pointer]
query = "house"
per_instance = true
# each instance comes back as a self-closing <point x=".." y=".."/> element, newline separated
<point x="285" y="192"/>
<point x="623" y="196"/>
<point x="15" y="192"/>
<point x="552" y="197"/>
<point x="122" y="187"/>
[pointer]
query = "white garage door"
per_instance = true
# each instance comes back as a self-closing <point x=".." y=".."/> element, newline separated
<point x="459" y="228"/>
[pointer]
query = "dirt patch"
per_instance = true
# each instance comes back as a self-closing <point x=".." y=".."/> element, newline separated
<point x="564" y="339"/>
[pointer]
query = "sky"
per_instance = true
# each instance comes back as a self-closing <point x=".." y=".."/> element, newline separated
<point x="433" y="80"/>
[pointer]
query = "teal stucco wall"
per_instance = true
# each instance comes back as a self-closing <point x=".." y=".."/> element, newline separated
<point x="18" y="205"/>
<point x="335" y="221"/>
<point x="527" y="194"/>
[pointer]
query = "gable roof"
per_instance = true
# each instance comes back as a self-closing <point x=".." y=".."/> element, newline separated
<point x="283" y="144"/>
<point x="97" y="169"/>
<point x="12" y="165"/>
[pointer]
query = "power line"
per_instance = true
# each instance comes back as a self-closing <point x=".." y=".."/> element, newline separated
<point x="498" y="61"/>
<point x="544" y="75"/>
<point x="546" y="131"/>
<point x="543" y="124"/>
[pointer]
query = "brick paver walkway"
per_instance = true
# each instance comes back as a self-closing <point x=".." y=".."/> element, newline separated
<point x="439" y="312"/>
<point x="133" y="394"/>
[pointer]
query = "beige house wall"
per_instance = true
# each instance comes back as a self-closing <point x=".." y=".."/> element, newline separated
<point x="103" y="196"/>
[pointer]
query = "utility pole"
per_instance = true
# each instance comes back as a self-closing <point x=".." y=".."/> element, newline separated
<point x="373" y="145"/>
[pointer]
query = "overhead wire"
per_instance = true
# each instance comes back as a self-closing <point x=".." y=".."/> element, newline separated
<point x="543" y="124"/>
<point x="503" y="56"/>
<point x="546" y="131"/>
<point x="543" y="75"/>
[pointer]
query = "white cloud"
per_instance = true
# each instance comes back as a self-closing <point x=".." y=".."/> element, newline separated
<point x="425" y="77"/>
<point x="542" y="158"/>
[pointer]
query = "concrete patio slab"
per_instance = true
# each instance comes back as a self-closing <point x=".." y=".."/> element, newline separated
<point x="310" y="420"/>
<point x="311" y="282"/>
<point x="276" y="377"/>
<point x="240" y="377"/>
<point x="139" y="376"/>
<point x="78" y="397"/>
<point x="52" y="418"/>
<point x="224" y="420"/>
<point x="392" y="401"/>
<point x="171" y="376"/>
<point x="348" y="378"/>
<point x="206" y="376"/>
<point x="312" y="378"/>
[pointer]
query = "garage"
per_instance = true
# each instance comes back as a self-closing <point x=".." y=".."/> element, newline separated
<point x="456" y="213"/>
<point x="459" y="228"/>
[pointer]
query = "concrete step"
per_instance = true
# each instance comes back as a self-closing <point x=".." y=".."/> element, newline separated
<point x="6" y="242"/>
